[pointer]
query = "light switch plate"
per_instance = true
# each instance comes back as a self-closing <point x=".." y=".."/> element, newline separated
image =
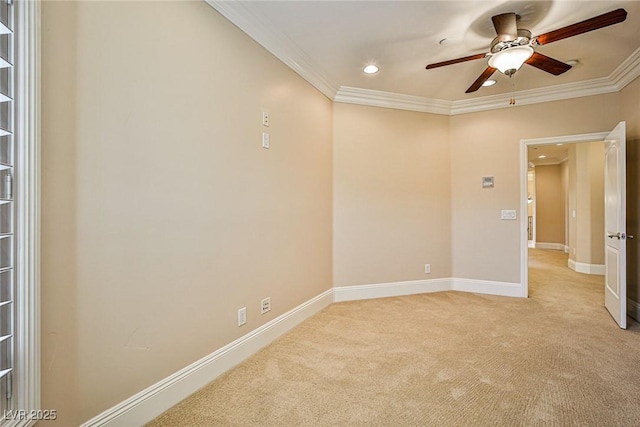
<point x="508" y="214"/>
<point x="265" y="140"/>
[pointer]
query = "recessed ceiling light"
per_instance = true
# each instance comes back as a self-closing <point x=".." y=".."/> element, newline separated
<point x="489" y="83"/>
<point x="572" y="62"/>
<point x="559" y="144"/>
<point x="542" y="156"/>
<point x="370" y="69"/>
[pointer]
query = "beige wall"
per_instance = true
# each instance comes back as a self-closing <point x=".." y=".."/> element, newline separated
<point x="564" y="178"/>
<point x="392" y="211"/>
<point x="162" y="214"/>
<point x="630" y="100"/>
<point x="488" y="144"/>
<point x="531" y="190"/>
<point x="587" y="187"/>
<point x="549" y="204"/>
<point x="573" y="201"/>
<point x="596" y="187"/>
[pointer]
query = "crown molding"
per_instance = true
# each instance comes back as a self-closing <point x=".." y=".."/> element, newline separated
<point x="624" y="74"/>
<point x="378" y="98"/>
<point x="244" y="16"/>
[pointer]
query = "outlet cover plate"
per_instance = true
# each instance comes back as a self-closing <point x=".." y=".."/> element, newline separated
<point x="242" y="316"/>
<point x="265" y="305"/>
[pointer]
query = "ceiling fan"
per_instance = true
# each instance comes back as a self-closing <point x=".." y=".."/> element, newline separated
<point x="513" y="46"/>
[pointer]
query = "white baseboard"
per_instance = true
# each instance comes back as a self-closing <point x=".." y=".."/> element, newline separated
<point x="506" y="289"/>
<point x="552" y="246"/>
<point x="153" y="401"/>
<point x="384" y="290"/>
<point x="633" y="309"/>
<point x="566" y="249"/>
<point x="581" y="267"/>
<point x="394" y="289"/>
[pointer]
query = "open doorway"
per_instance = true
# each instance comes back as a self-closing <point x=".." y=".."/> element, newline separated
<point x="547" y="155"/>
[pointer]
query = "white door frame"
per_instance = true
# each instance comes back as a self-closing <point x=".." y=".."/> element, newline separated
<point x="524" y="167"/>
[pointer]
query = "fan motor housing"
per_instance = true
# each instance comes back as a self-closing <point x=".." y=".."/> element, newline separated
<point x="524" y="37"/>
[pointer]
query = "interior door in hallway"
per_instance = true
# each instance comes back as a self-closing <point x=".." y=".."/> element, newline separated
<point x="615" y="292"/>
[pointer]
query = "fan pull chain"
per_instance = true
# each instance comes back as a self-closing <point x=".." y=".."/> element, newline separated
<point x="512" y="99"/>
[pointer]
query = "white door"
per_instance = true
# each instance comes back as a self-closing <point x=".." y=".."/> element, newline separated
<point x="615" y="219"/>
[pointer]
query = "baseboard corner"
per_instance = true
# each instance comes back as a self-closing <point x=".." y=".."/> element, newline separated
<point x="584" y="268"/>
<point x="506" y="289"/>
<point x="392" y="289"/>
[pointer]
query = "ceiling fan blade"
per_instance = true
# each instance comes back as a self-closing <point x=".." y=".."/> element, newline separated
<point x="548" y="64"/>
<point x="455" y="61"/>
<point x="506" y="27"/>
<point x="595" y="23"/>
<point x="483" y="78"/>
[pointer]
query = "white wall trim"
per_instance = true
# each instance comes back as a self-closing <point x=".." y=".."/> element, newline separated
<point x="551" y="246"/>
<point x="581" y="267"/>
<point x="633" y="309"/>
<point x="153" y="401"/>
<point x="566" y="249"/>
<point x="377" y="98"/>
<point x="247" y="17"/>
<point x="393" y="289"/>
<point x="506" y="289"/>
<point x="26" y="378"/>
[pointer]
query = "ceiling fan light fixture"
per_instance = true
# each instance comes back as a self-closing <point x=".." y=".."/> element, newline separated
<point x="370" y="69"/>
<point x="510" y="60"/>
<point x="489" y="82"/>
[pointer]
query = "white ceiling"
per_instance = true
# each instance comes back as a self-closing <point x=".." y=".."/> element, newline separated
<point x="553" y="154"/>
<point x="329" y="42"/>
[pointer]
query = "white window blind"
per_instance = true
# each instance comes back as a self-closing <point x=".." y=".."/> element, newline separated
<point x="7" y="207"/>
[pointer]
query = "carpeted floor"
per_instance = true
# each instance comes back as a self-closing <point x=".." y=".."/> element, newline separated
<point x="450" y="358"/>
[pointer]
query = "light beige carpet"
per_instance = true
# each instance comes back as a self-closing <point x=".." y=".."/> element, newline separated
<point x="448" y="358"/>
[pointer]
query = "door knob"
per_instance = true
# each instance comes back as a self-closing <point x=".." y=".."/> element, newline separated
<point x="617" y="236"/>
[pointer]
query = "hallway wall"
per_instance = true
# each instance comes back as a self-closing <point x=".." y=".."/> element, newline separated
<point x="550" y="227"/>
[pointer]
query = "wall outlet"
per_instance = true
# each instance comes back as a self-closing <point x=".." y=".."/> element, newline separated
<point x="265" y="305"/>
<point x="265" y="140"/>
<point x="242" y="316"/>
<point x="265" y="119"/>
<point x="427" y="269"/>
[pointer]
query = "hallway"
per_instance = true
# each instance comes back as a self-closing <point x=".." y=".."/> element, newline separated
<point x="551" y="280"/>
